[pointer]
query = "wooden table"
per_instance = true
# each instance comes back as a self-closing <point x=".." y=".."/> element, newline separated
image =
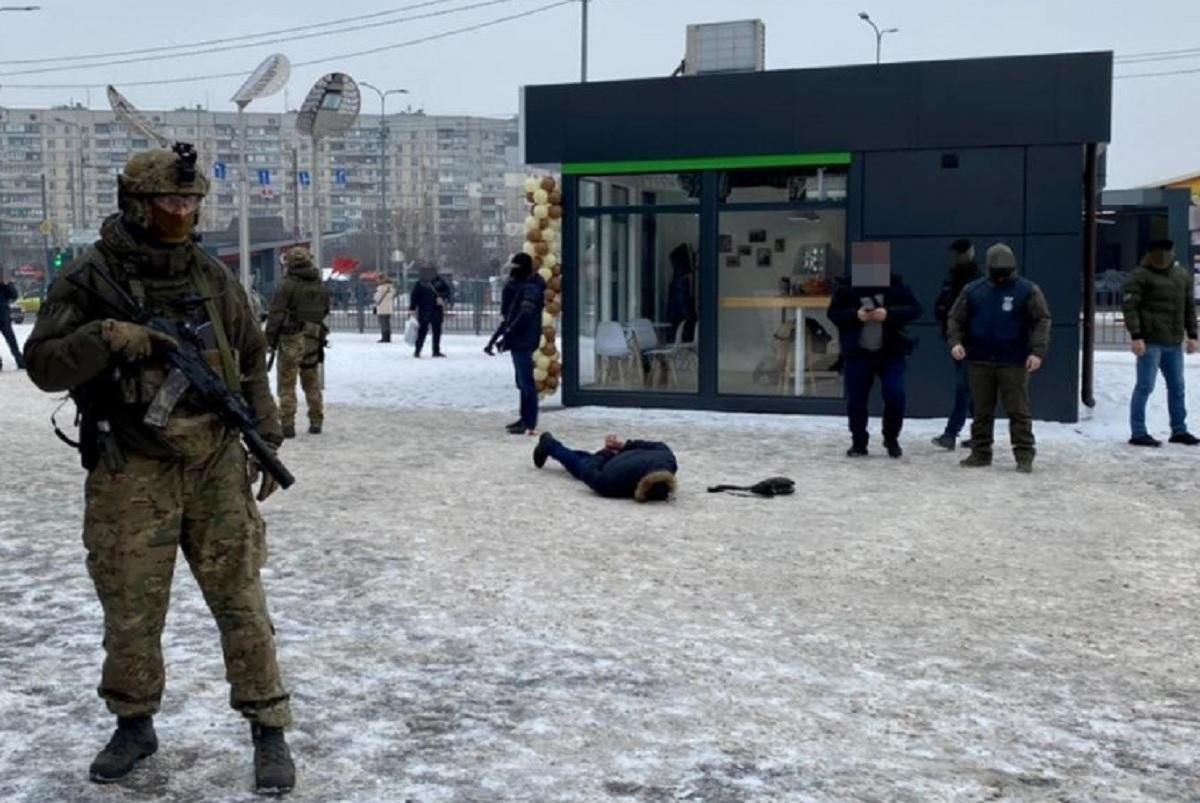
<point x="797" y="303"/>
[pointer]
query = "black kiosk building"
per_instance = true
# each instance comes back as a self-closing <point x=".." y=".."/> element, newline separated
<point x="706" y="217"/>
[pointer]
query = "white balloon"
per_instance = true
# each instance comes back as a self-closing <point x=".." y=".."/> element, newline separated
<point x="539" y="374"/>
<point x="532" y="224"/>
<point x="541" y="197"/>
<point x="547" y="319"/>
<point x="548" y="263"/>
<point x="532" y="184"/>
<point x="541" y="211"/>
<point x="529" y="248"/>
<point x="545" y="273"/>
<point x="542" y="361"/>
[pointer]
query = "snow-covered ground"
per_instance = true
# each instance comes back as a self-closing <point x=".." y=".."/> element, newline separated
<point x="457" y="626"/>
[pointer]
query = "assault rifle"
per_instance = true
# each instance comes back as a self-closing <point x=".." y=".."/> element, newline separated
<point x="191" y="371"/>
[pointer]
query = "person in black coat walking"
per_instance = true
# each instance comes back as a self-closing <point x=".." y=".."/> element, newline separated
<point x="428" y="302"/>
<point x="640" y="470"/>
<point x="963" y="271"/>
<point x="8" y="294"/>
<point x="523" y="301"/>
<point x="871" y="321"/>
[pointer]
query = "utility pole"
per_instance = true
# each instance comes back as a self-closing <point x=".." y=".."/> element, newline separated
<point x="295" y="192"/>
<point x="45" y="238"/>
<point x="879" y="34"/>
<point x="583" y="50"/>
<point x="384" y="216"/>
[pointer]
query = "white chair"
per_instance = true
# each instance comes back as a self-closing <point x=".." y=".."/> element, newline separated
<point x="611" y="344"/>
<point x="678" y="354"/>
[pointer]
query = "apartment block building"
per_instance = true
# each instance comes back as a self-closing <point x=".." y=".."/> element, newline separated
<point x="449" y="178"/>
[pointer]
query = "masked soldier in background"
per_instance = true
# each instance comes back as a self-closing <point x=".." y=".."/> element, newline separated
<point x="296" y="329"/>
<point x="153" y="490"/>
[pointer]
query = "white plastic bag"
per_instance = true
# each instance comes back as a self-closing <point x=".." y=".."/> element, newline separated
<point x="410" y="332"/>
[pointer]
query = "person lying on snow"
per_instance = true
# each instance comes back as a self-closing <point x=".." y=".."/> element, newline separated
<point x="640" y="470"/>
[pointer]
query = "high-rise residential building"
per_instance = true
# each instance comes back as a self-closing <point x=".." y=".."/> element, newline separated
<point x="448" y="180"/>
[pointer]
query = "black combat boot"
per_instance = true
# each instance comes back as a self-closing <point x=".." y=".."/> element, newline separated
<point x="289" y="430"/>
<point x="274" y="772"/>
<point x="314" y="428"/>
<point x="541" y="451"/>
<point x="976" y="460"/>
<point x="893" y="449"/>
<point x="133" y="740"/>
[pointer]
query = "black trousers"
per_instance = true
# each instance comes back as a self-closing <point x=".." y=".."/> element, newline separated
<point x="385" y="328"/>
<point x="7" y="330"/>
<point x="423" y="328"/>
<point x="861" y="369"/>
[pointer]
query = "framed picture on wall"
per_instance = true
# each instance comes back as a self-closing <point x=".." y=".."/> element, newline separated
<point x="733" y="261"/>
<point x="745" y="250"/>
<point x="758" y="235"/>
<point x="725" y="244"/>
<point x="780" y="245"/>
<point x="764" y="257"/>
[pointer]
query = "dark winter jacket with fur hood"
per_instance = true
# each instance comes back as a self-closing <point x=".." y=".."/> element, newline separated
<point x="627" y="474"/>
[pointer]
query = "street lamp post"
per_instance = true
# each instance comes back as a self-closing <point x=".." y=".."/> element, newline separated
<point x="383" y="204"/>
<point x="879" y="34"/>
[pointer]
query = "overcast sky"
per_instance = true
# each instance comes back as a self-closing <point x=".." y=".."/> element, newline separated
<point x="1156" y="131"/>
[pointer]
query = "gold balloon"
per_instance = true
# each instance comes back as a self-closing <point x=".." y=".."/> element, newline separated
<point x="549" y="184"/>
<point x="542" y="249"/>
<point x="552" y="381"/>
<point x="556" y="198"/>
<point x="549" y="333"/>
<point x="556" y="212"/>
<point x="534" y="235"/>
<point x="555" y="368"/>
<point x="555" y="282"/>
<point x="549" y="350"/>
<point x="554" y="309"/>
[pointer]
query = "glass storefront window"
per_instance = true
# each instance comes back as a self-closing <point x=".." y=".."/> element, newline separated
<point x="649" y="189"/>
<point x="638" y="302"/>
<point x="783" y="185"/>
<point x="776" y="271"/>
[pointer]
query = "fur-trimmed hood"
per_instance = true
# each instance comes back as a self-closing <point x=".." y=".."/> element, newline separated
<point x="648" y="482"/>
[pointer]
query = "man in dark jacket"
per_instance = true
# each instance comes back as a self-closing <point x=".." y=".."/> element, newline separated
<point x="640" y="470"/>
<point x="8" y="294"/>
<point x="1001" y="326"/>
<point x="963" y="271"/>
<point x="296" y="329"/>
<point x="429" y="301"/>
<point x="871" y="321"/>
<point x="1160" y="311"/>
<point x="524" y="300"/>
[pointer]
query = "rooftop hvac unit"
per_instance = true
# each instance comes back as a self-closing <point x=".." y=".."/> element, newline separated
<point x="725" y="47"/>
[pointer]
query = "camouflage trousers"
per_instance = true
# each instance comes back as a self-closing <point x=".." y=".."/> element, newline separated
<point x="298" y="354"/>
<point x="136" y="521"/>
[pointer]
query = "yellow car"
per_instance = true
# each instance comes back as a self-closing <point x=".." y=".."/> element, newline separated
<point x="31" y="302"/>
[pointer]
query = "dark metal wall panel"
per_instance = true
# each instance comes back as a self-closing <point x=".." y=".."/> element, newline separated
<point x="910" y="193"/>
<point x="1026" y="100"/>
<point x="1055" y="262"/>
<point x="1054" y="189"/>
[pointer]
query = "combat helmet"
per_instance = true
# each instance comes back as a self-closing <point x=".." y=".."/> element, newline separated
<point x="299" y="257"/>
<point x="158" y="172"/>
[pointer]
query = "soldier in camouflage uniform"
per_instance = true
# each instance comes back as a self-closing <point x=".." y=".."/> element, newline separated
<point x="296" y="328"/>
<point x="152" y="490"/>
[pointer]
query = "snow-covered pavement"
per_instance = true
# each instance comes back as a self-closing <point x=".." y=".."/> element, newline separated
<point x="457" y="626"/>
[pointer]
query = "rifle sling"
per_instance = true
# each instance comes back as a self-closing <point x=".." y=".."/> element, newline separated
<point x="232" y="375"/>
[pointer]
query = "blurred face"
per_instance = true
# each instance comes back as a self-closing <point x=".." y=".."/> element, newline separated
<point x="173" y="217"/>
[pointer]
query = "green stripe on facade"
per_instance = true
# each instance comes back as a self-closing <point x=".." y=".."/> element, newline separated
<point x="707" y="163"/>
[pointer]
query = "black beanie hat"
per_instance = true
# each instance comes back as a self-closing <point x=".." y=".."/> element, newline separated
<point x="1162" y="245"/>
<point x="960" y="246"/>
<point x="523" y="264"/>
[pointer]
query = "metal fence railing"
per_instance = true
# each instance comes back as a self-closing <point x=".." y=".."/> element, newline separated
<point x="475" y="310"/>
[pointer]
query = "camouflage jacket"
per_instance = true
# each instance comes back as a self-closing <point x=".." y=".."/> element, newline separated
<point x="66" y="350"/>
<point x="299" y="300"/>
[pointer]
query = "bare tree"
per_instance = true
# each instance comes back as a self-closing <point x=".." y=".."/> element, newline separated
<point x="465" y="255"/>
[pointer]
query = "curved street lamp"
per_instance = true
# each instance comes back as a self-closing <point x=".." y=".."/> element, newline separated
<point x="383" y="205"/>
<point x="879" y="34"/>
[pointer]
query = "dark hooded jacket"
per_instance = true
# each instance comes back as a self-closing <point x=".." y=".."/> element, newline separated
<point x="424" y="299"/>
<point x="525" y="303"/>
<point x="961" y="274"/>
<point x="620" y="472"/>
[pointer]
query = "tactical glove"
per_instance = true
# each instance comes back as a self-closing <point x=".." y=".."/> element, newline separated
<point x="255" y="471"/>
<point x="133" y="341"/>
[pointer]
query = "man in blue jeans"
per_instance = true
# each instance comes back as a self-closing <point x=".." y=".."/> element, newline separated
<point x="871" y="317"/>
<point x="1160" y="311"/>
<point x="640" y="470"/>
<point x="963" y="271"/>
<point x="524" y="300"/>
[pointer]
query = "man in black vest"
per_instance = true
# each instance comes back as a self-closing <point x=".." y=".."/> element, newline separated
<point x="1001" y="326"/>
